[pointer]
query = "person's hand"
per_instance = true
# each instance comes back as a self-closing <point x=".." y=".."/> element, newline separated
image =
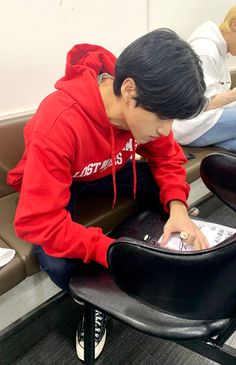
<point x="179" y="221"/>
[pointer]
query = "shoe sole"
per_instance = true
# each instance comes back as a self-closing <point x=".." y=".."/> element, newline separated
<point x="98" y="348"/>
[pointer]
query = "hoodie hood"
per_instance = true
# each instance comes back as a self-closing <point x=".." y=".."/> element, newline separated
<point x="88" y="58"/>
<point x="85" y="62"/>
<point x="209" y="31"/>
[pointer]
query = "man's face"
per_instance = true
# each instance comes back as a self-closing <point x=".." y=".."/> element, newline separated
<point x="230" y="38"/>
<point x="144" y="125"/>
<point x="232" y="43"/>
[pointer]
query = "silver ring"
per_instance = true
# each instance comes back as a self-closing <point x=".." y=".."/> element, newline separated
<point x="184" y="235"/>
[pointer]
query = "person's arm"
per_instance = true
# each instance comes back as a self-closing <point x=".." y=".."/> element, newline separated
<point x="166" y="160"/>
<point x="41" y="217"/>
<point x="222" y="99"/>
<point x="217" y="94"/>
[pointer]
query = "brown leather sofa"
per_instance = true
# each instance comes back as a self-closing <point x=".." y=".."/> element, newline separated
<point x="100" y="214"/>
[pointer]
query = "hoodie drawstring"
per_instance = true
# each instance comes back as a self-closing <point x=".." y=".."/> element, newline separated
<point x="134" y="168"/>
<point x="113" y="167"/>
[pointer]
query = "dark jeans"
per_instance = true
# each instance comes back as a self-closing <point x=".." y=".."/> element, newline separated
<point x="60" y="270"/>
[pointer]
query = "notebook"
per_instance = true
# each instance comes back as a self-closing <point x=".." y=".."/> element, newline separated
<point x="215" y="233"/>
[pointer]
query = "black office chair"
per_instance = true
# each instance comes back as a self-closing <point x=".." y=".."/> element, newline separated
<point x="218" y="172"/>
<point x="186" y="297"/>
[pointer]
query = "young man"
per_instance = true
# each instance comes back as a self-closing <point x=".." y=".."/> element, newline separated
<point x="216" y="126"/>
<point x="82" y="137"/>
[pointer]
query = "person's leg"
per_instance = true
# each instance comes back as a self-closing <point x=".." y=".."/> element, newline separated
<point x="229" y="144"/>
<point x="147" y="195"/>
<point x="59" y="270"/>
<point x="222" y="134"/>
<point x="147" y="189"/>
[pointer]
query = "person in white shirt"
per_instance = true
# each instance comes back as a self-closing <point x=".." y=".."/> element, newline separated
<point x="217" y="125"/>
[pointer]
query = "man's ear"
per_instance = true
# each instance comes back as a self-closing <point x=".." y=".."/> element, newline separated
<point x="233" y="26"/>
<point x="128" y="88"/>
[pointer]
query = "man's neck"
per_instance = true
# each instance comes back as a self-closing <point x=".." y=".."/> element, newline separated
<point x="113" y="104"/>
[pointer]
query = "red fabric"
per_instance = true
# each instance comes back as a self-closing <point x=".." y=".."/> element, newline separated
<point x="70" y="138"/>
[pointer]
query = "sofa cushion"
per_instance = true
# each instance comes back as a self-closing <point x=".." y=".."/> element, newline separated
<point x="193" y="165"/>
<point x="12" y="273"/>
<point x="8" y="205"/>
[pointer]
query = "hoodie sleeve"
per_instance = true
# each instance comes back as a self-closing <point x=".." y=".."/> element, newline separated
<point x="166" y="159"/>
<point x="41" y="217"/>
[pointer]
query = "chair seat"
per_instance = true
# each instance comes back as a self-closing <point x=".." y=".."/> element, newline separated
<point x="95" y="285"/>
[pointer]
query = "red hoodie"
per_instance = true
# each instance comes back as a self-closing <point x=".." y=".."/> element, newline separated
<point x="70" y="138"/>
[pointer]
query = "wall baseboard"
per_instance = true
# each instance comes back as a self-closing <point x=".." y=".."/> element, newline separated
<point x="15" y="117"/>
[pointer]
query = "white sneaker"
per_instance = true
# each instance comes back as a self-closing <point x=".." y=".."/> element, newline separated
<point x="100" y="336"/>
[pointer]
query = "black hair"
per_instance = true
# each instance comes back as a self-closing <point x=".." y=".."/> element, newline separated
<point x="167" y="73"/>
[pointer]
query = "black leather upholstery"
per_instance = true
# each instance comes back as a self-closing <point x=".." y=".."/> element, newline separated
<point x="184" y="284"/>
<point x="95" y="285"/>
<point x="218" y="172"/>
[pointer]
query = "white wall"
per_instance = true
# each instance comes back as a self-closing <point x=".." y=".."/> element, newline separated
<point x="185" y="15"/>
<point x="35" y="36"/>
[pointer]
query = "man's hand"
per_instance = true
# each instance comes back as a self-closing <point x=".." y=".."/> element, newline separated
<point x="179" y="221"/>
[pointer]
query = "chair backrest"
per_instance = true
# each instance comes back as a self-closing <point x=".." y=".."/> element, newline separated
<point x="218" y="172"/>
<point x="193" y="285"/>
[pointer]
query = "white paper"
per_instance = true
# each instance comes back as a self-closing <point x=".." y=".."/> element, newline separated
<point x="6" y="255"/>
<point x="215" y="233"/>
